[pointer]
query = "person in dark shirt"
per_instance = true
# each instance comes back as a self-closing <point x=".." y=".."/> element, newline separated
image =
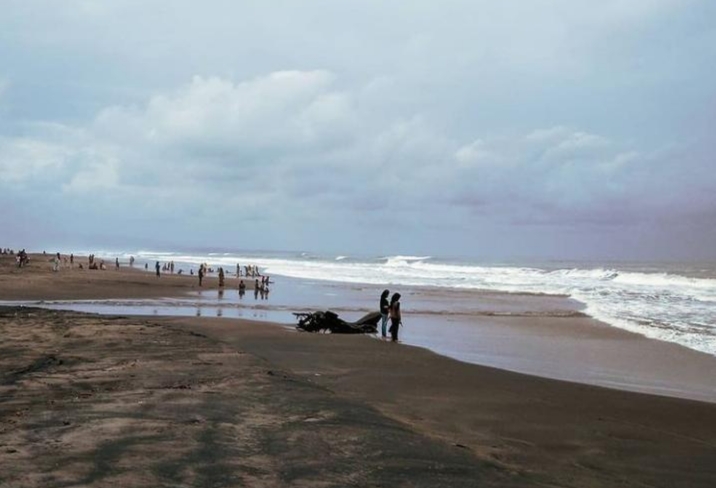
<point x="396" y="319"/>
<point x="384" y="309"/>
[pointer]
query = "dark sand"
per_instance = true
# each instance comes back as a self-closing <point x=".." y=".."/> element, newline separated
<point x="119" y="401"/>
<point x="38" y="282"/>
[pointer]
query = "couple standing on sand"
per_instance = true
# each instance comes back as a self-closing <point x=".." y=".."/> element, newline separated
<point x="390" y="310"/>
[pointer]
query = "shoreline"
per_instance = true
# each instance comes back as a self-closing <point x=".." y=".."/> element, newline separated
<point x="548" y="337"/>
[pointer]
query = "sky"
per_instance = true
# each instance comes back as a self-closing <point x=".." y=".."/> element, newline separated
<point x="519" y="129"/>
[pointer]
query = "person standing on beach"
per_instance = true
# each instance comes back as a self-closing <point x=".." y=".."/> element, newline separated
<point x="221" y="277"/>
<point x="384" y="309"/>
<point x="201" y="274"/>
<point x="157" y="267"/>
<point x="396" y="319"/>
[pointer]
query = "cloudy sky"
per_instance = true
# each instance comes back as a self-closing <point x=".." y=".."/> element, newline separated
<point x="511" y="129"/>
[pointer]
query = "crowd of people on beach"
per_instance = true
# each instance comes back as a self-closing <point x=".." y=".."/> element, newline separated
<point x="250" y="271"/>
<point x="21" y="257"/>
<point x="261" y="285"/>
<point x="391" y="317"/>
<point x="93" y="263"/>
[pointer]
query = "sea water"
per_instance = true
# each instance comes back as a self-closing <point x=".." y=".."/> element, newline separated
<point x="673" y="302"/>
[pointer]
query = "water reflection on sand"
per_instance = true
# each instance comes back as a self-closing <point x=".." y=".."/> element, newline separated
<point x="537" y="334"/>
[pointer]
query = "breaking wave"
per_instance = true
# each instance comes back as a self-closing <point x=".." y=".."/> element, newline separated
<point x="658" y="303"/>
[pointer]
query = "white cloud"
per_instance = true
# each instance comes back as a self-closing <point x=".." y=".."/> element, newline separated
<point x="472" y="153"/>
<point x="290" y="144"/>
<point x="22" y="159"/>
<point x="98" y="175"/>
<point x="561" y="175"/>
<point x="289" y="108"/>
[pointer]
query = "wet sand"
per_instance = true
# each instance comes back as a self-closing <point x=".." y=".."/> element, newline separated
<point x="127" y="401"/>
<point x="577" y="349"/>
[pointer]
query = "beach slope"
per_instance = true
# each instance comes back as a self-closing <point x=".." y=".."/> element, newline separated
<point x="97" y="401"/>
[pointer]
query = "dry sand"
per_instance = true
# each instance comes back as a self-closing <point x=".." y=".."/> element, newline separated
<point x="38" y="282"/>
<point x="121" y="401"/>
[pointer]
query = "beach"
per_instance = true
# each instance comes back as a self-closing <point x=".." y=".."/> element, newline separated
<point x="100" y="400"/>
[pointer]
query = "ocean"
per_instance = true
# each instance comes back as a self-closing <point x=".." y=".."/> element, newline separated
<point x="673" y="302"/>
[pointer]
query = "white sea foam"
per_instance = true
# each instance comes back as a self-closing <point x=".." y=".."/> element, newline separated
<point x="659" y="305"/>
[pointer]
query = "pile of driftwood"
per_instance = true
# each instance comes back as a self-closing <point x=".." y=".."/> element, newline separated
<point x="330" y="322"/>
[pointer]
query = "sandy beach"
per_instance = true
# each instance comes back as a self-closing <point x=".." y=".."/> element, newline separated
<point x="89" y="400"/>
<point x="38" y="282"/>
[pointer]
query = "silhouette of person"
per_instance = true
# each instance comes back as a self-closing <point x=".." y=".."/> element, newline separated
<point x="242" y="288"/>
<point x="384" y="309"/>
<point x="396" y="318"/>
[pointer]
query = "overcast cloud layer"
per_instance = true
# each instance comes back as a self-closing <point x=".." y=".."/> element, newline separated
<point x="512" y="129"/>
